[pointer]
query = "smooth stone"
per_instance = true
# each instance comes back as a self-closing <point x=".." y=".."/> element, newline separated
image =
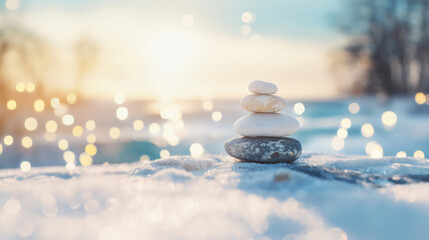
<point x="264" y="149"/>
<point x="261" y="87"/>
<point x="266" y="125"/>
<point x="263" y="103"/>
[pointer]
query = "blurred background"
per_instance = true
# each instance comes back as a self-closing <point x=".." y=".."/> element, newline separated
<point x="101" y="82"/>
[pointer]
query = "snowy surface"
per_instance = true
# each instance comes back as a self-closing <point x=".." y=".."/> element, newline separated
<point x="216" y="197"/>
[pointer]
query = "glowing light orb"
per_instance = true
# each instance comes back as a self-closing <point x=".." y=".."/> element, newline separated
<point x="30" y="124"/>
<point x="91" y="149"/>
<point x="346" y="123"/>
<point x="217" y="116"/>
<point x="77" y="131"/>
<point x="71" y="98"/>
<point x="27" y="142"/>
<point x="67" y="119"/>
<point x="11" y="105"/>
<point x="354" y="107"/>
<point x="207" y="106"/>
<point x="367" y="130"/>
<point x="70" y="166"/>
<point x="154" y="128"/>
<point x="299" y="108"/>
<point x="114" y="133"/>
<point x="90" y="125"/>
<point x="12" y="4"/>
<point x="144" y="158"/>
<point x="69" y="156"/>
<point x="20" y="87"/>
<point x="122" y="113"/>
<point x="50" y="137"/>
<point x="246" y="17"/>
<point x="420" y="98"/>
<point x="91" y="138"/>
<point x="164" y="153"/>
<point x="138" y="125"/>
<point x="119" y="98"/>
<point x="39" y="105"/>
<point x="389" y="118"/>
<point x="51" y="126"/>
<point x="374" y="149"/>
<point x="63" y="144"/>
<point x="337" y="143"/>
<point x="55" y="102"/>
<point x="401" y="154"/>
<point x="8" y="140"/>
<point x="342" y="133"/>
<point x="246" y="30"/>
<point x="196" y="150"/>
<point x="25" y="166"/>
<point x="31" y="87"/>
<point x="419" y="154"/>
<point x="85" y="160"/>
<point x="1" y="149"/>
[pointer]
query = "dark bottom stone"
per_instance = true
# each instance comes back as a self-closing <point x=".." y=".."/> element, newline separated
<point x="264" y="149"/>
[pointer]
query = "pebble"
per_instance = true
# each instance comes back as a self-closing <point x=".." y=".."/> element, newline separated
<point x="261" y="87"/>
<point x="263" y="103"/>
<point x="266" y="125"/>
<point x="264" y="149"/>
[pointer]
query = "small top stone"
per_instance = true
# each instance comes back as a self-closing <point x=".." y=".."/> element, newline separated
<point x="261" y="87"/>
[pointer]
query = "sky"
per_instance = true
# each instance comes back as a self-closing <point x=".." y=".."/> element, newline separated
<point x="190" y="49"/>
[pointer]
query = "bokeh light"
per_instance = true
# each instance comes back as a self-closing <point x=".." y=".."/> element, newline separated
<point x="342" y="133"/>
<point x="51" y="126"/>
<point x="144" y="158"/>
<point x="55" y="102"/>
<point x="8" y="140"/>
<point x="367" y="130"/>
<point x="20" y="87"/>
<point x="71" y="98"/>
<point x="217" y="116"/>
<point x="30" y="124"/>
<point x="69" y="156"/>
<point x="419" y="154"/>
<point x="337" y="143"/>
<point x="401" y="154"/>
<point x="30" y="87"/>
<point x="207" y="106"/>
<point x="12" y="207"/>
<point x="138" y="125"/>
<point x="346" y="123"/>
<point x="196" y="150"/>
<point x="389" y="118"/>
<point x="27" y="142"/>
<point x="25" y="166"/>
<point x="154" y="128"/>
<point x="39" y="105"/>
<point x="12" y="4"/>
<point x="91" y="149"/>
<point x="164" y="153"/>
<point x="114" y="133"/>
<point x="63" y="144"/>
<point x="420" y="98"/>
<point x="91" y="138"/>
<point x="85" y="160"/>
<point x="246" y="17"/>
<point x="119" y="98"/>
<point x="374" y="149"/>
<point x="299" y="108"/>
<point x="122" y="113"/>
<point x="11" y="104"/>
<point x="90" y="125"/>
<point x="77" y="131"/>
<point x="354" y="108"/>
<point x="67" y="119"/>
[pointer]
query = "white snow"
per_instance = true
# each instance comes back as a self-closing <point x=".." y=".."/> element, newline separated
<point x="216" y="197"/>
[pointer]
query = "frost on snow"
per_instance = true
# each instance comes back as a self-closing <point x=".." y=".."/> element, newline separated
<point x="216" y="197"/>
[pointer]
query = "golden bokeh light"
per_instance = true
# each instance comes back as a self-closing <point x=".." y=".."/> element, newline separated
<point x="196" y="150"/>
<point x="11" y="104"/>
<point x="138" y="125"/>
<point x="67" y="119"/>
<point x="8" y="140"/>
<point x="246" y="17"/>
<point x="420" y="98"/>
<point x="179" y="124"/>
<point x="374" y="149"/>
<point x="217" y="116"/>
<point x="51" y="126"/>
<point x="144" y="158"/>
<point x="164" y="153"/>
<point x="389" y="118"/>
<point x="367" y="130"/>
<point x="91" y="138"/>
<point x="401" y="154"/>
<point x="70" y="166"/>
<point x="337" y="143"/>
<point x="20" y="87"/>
<point x="419" y="154"/>
<point x="27" y="142"/>
<point x="91" y="149"/>
<point x="69" y="156"/>
<point x="90" y="125"/>
<point x="39" y="105"/>
<point x="55" y="102"/>
<point x="85" y="160"/>
<point x="12" y="4"/>
<point x="63" y="144"/>
<point x="71" y="98"/>
<point x="207" y="106"/>
<point x="25" y="166"/>
<point x="31" y="87"/>
<point x="30" y="124"/>
<point x="342" y="133"/>
<point x="154" y="128"/>
<point x="299" y="108"/>
<point x="77" y="131"/>
<point x="346" y="123"/>
<point x="122" y="113"/>
<point x="354" y="108"/>
<point x="114" y="132"/>
<point x="119" y="98"/>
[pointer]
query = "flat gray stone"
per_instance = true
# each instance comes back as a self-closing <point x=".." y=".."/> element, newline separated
<point x="264" y="149"/>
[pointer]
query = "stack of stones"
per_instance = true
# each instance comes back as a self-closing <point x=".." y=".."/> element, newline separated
<point x="264" y="129"/>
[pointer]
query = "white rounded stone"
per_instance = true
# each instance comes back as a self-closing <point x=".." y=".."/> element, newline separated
<point x="263" y="103"/>
<point x="266" y="125"/>
<point x="261" y="87"/>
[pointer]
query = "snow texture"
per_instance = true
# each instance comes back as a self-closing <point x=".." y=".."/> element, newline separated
<point x="216" y="197"/>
